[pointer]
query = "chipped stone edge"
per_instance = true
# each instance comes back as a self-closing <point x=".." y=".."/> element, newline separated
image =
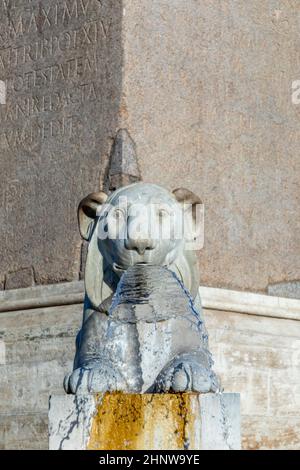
<point x="71" y="293"/>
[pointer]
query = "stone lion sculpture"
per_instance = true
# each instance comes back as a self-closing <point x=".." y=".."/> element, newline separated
<point x="142" y="327"/>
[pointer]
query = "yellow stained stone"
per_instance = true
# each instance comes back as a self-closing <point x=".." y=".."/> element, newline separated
<point x="148" y="421"/>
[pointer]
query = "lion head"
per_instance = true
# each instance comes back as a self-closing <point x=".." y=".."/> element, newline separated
<point x="139" y="223"/>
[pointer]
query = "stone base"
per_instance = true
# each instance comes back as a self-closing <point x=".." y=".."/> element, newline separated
<point x="145" y="422"/>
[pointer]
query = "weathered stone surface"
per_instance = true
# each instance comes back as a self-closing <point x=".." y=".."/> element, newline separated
<point x="285" y="289"/>
<point x="42" y="296"/>
<point x="205" y="93"/>
<point x="207" y="98"/>
<point x="24" y="431"/>
<point x="61" y="63"/>
<point x="151" y="340"/>
<point x="70" y="421"/>
<point x="39" y="350"/>
<point x="142" y="328"/>
<point x="259" y="357"/>
<point x="250" y="303"/>
<point x="271" y="433"/>
<point x="255" y="355"/>
<point x="159" y="421"/>
<point x="21" y="278"/>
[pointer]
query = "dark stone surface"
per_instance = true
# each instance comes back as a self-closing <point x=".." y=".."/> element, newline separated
<point x="61" y="62"/>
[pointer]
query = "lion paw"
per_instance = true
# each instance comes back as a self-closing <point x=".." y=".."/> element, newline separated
<point x="93" y="380"/>
<point x="186" y="375"/>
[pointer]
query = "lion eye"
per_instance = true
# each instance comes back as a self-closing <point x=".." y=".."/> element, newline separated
<point x="163" y="213"/>
<point x="118" y="214"/>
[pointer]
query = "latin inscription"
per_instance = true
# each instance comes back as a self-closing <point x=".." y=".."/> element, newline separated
<point x="89" y="34"/>
<point x="36" y="18"/>
<point x="60" y="87"/>
<point x="50" y="67"/>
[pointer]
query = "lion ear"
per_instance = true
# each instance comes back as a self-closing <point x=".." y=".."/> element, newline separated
<point x="185" y="196"/>
<point x="87" y="212"/>
<point x="193" y="215"/>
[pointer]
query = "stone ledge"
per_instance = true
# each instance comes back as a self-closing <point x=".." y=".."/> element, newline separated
<point x="120" y="421"/>
<point x="250" y="303"/>
<point x="71" y="293"/>
<point x="51" y="295"/>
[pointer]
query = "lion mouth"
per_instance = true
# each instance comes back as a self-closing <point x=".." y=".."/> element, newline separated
<point x="118" y="269"/>
<point x="121" y="269"/>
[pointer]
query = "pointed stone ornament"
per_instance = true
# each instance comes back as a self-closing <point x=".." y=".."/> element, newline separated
<point x="124" y="167"/>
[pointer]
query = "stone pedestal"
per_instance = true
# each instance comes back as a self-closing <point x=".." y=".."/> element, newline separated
<point x="145" y="422"/>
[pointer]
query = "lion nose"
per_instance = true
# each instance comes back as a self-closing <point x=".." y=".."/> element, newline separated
<point x="140" y="245"/>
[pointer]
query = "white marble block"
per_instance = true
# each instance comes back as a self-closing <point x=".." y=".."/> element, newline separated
<point x="120" y="421"/>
